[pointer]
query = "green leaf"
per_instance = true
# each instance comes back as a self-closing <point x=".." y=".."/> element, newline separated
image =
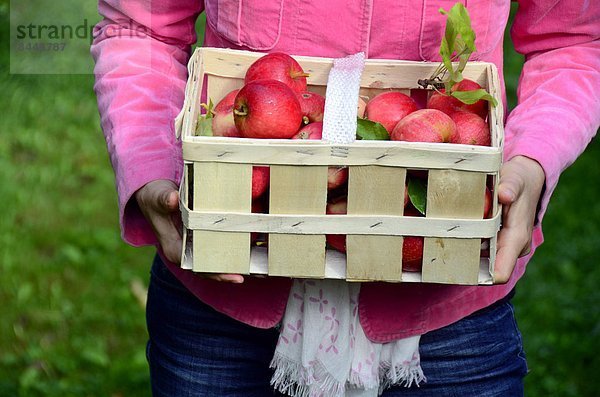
<point x="204" y="126"/>
<point x="370" y="130"/>
<point x="459" y="34"/>
<point x="458" y="42"/>
<point x="470" y="97"/>
<point x="417" y="193"/>
<point x="447" y="48"/>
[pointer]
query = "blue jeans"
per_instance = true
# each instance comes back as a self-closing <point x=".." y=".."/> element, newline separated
<point x="196" y="351"/>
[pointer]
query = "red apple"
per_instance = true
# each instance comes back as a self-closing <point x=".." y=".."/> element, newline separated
<point x="449" y="105"/>
<point x="425" y="125"/>
<point x="278" y="66"/>
<point x="222" y="121"/>
<point x="412" y="253"/>
<point x="470" y="129"/>
<point x="337" y="241"/>
<point x="480" y="107"/>
<point x="312" y="105"/>
<point x="412" y="247"/>
<point x="267" y="109"/>
<point x="312" y="131"/>
<point x="388" y="108"/>
<point x="260" y="180"/>
<point x="487" y="205"/>
<point x="336" y="177"/>
<point x="442" y="102"/>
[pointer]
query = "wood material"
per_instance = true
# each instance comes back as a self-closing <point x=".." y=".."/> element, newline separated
<point x="384" y="153"/>
<point x="377" y="191"/>
<point x="335" y="267"/>
<point x="219" y="86"/>
<point x="377" y="225"/>
<point x="378" y="73"/>
<point x="220" y="228"/>
<point x="297" y="190"/>
<point x="453" y="194"/>
<point x="222" y="187"/>
<point x="187" y="259"/>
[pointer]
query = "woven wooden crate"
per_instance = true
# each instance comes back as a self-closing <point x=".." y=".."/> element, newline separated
<point x="216" y="188"/>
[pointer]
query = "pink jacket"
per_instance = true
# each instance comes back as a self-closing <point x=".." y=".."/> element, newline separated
<point x="141" y="52"/>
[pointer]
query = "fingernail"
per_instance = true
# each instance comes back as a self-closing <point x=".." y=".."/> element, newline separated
<point x="510" y="194"/>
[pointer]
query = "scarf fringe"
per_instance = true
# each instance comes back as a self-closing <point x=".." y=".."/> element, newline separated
<point x="358" y="381"/>
<point x="293" y="379"/>
<point x="401" y="374"/>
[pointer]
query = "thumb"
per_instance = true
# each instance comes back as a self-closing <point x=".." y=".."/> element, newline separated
<point x="509" y="188"/>
<point x="161" y="195"/>
<point x="169" y="200"/>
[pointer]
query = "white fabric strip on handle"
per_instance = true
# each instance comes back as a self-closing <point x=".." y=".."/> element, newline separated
<point x="341" y="99"/>
<point x="322" y="348"/>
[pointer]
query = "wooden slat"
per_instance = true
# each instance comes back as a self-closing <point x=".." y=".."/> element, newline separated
<point x="453" y="194"/>
<point x="219" y="86"/>
<point x="187" y="119"/>
<point x="375" y="190"/>
<point x="383" y="73"/>
<point x="497" y="212"/>
<point x="493" y="248"/>
<point x="297" y="190"/>
<point x="184" y="190"/>
<point x="377" y="225"/>
<point x="222" y="187"/>
<point x="496" y="114"/>
<point x="385" y="153"/>
<point x="335" y="267"/>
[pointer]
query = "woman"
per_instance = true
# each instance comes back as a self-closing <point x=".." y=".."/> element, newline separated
<point x="216" y="336"/>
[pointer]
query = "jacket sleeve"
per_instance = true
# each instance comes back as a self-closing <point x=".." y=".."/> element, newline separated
<point x="141" y="50"/>
<point x="558" y="111"/>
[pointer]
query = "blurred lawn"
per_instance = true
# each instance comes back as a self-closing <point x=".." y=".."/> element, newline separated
<point x="72" y="325"/>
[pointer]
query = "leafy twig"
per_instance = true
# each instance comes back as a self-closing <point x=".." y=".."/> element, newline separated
<point x="457" y="46"/>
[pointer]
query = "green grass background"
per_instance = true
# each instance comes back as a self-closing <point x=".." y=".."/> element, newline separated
<point x="71" y="324"/>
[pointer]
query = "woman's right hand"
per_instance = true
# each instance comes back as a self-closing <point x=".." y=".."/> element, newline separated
<point x="159" y="202"/>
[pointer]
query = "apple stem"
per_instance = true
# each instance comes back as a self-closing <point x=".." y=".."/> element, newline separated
<point x="295" y="74"/>
<point x="305" y="120"/>
<point x="242" y="111"/>
<point x="208" y="108"/>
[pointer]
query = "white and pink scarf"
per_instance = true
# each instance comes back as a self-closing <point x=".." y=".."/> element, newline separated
<point x="323" y="351"/>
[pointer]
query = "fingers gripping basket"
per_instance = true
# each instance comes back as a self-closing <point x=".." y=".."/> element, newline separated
<point x="217" y="183"/>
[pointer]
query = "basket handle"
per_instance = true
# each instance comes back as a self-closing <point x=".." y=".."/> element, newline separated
<point x="341" y="99"/>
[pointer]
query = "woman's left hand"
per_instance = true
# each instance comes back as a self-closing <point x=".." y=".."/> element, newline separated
<point x="521" y="183"/>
